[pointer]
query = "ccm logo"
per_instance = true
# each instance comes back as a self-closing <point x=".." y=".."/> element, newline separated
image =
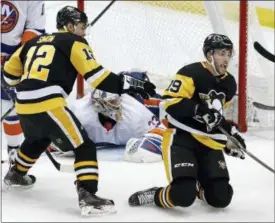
<point x="184" y="165"/>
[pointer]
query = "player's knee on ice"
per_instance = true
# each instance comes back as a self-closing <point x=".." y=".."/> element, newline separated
<point x="183" y="191"/>
<point x="218" y="193"/>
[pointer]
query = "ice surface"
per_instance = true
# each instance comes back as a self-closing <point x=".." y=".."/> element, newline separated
<point x="53" y="198"/>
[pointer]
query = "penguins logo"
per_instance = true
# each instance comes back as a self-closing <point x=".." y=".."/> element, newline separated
<point x="213" y="100"/>
<point x="9" y="16"/>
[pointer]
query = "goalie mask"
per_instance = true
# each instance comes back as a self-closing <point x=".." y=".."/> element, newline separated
<point x="107" y="104"/>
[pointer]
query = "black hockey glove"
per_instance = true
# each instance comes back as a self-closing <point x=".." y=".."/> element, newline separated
<point x="210" y="116"/>
<point x="144" y="88"/>
<point x="235" y="152"/>
<point x="231" y="148"/>
<point x="233" y="131"/>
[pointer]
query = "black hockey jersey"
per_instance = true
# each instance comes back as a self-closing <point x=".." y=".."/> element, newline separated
<point x="192" y="85"/>
<point x="44" y="71"/>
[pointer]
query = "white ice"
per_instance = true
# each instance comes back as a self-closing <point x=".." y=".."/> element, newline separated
<point x="54" y="198"/>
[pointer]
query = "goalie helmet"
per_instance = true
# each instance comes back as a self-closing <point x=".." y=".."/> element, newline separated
<point x="70" y="14"/>
<point x="107" y="104"/>
<point x="216" y="41"/>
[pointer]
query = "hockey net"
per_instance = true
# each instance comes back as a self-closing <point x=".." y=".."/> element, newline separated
<point x="163" y="36"/>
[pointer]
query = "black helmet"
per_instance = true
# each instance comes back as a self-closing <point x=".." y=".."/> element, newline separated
<point x="216" y="41"/>
<point x="70" y="14"/>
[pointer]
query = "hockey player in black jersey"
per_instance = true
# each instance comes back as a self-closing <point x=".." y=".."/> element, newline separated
<point x="192" y="146"/>
<point x="44" y="71"/>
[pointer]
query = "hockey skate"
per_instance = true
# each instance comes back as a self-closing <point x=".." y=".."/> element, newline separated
<point x="92" y="205"/>
<point x="15" y="180"/>
<point x="143" y="197"/>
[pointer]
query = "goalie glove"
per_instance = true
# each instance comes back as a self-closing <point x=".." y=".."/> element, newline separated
<point x="144" y="88"/>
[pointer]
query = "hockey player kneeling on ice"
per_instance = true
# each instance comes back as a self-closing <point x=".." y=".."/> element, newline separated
<point x="110" y="118"/>
<point x="193" y="145"/>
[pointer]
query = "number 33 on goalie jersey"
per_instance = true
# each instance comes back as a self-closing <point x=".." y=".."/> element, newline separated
<point x="45" y="68"/>
<point x="195" y="84"/>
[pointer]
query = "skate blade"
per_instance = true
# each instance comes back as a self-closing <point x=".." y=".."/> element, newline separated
<point x="9" y="187"/>
<point x="103" y="210"/>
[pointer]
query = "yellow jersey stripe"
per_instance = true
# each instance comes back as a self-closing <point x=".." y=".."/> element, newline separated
<point x="207" y="141"/>
<point x="67" y="124"/>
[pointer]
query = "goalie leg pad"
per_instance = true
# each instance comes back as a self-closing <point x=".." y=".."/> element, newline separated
<point x="145" y="150"/>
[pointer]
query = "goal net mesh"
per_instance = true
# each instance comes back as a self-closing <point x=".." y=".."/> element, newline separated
<point x="163" y="36"/>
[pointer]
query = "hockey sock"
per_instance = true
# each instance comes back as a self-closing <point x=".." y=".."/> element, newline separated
<point x="24" y="162"/>
<point x="162" y="197"/>
<point x="28" y="154"/>
<point x="86" y="167"/>
<point x="12" y="130"/>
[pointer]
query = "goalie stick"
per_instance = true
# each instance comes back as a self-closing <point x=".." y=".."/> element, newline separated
<point x="239" y="145"/>
<point x="69" y="168"/>
<point x="263" y="107"/>
<point x="261" y="50"/>
<point x="65" y="167"/>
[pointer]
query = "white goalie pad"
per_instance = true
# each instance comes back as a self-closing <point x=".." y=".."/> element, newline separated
<point x="144" y="150"/>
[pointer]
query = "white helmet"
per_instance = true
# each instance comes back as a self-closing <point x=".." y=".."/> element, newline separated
<point x="107" y="104"/>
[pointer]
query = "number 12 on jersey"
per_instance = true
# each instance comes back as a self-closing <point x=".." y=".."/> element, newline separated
<point x="37" y="62"/>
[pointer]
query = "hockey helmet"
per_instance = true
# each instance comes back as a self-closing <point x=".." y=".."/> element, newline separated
<point x="107" y="104"/>
<point x="70" y="14"/>
<point x="216" y="41"/>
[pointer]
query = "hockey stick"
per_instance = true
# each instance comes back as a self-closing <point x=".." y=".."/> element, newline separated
<point x="10" y="97"/>
<point x="102" y="12"/>
<point x="261" y="50"/>
<point x="239" y="145"/>
<point x="68" y="168"/>
<point x="263" y="107"/>
<point x="7" y="112"/>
